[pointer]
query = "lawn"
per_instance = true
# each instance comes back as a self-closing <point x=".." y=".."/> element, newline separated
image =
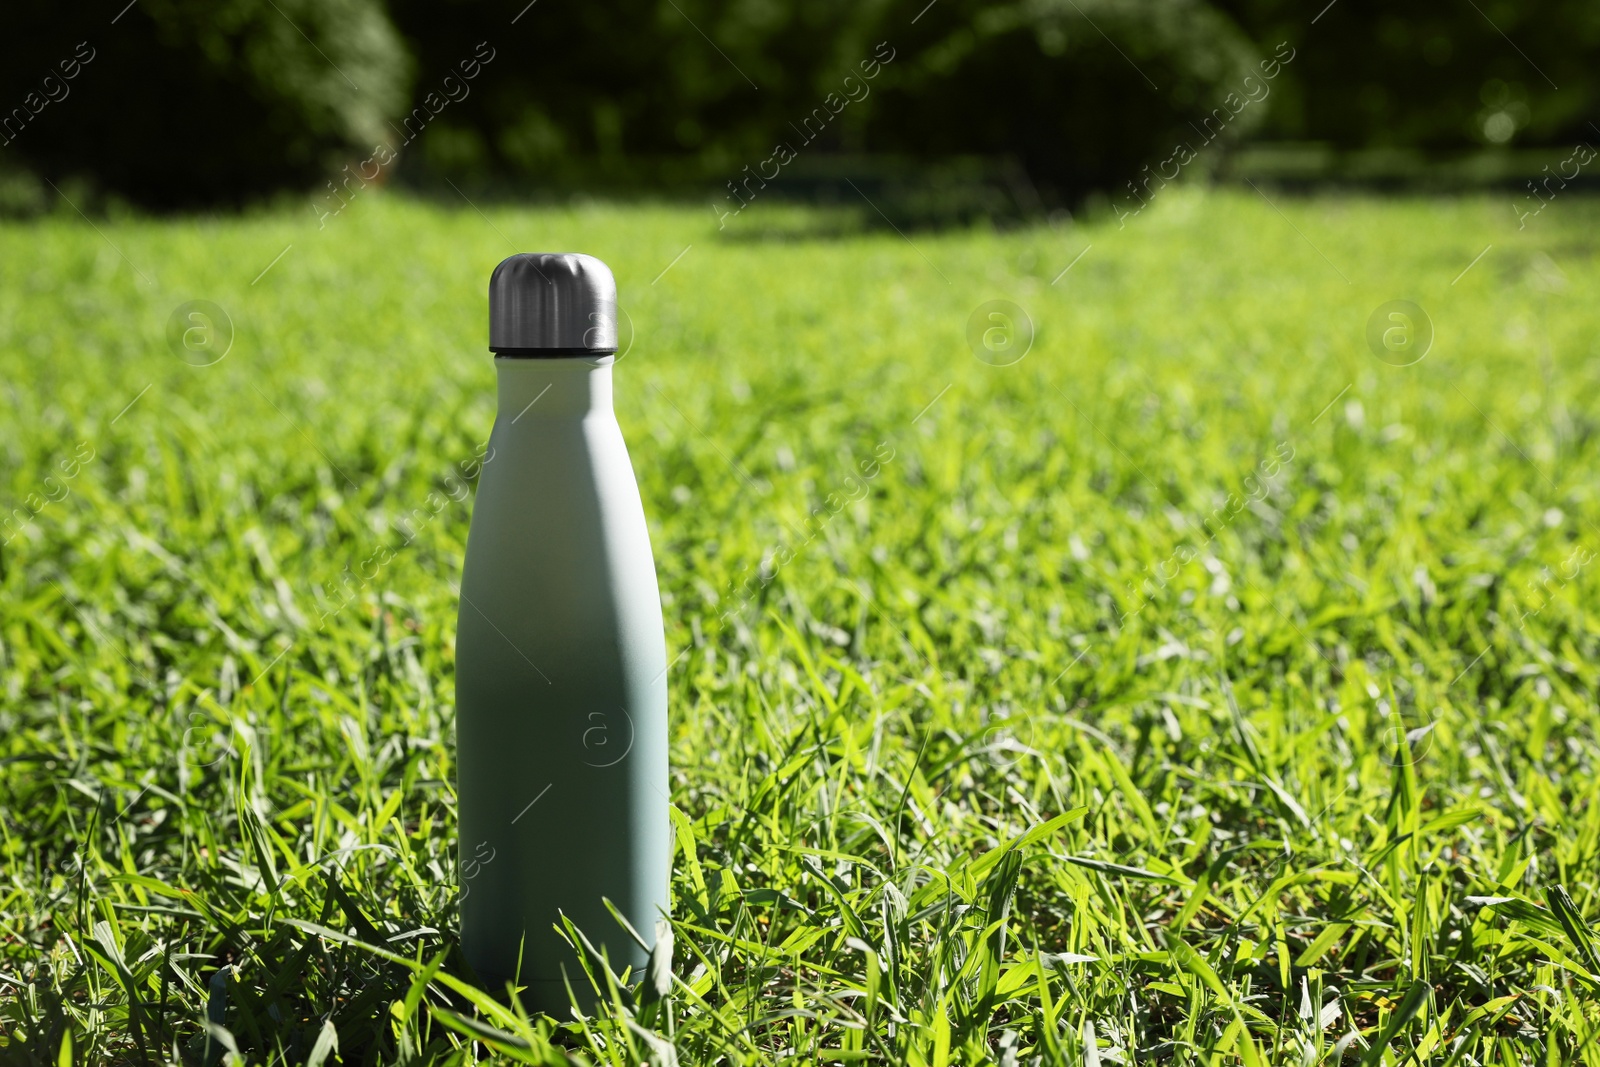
<point x="1199" y="689"/>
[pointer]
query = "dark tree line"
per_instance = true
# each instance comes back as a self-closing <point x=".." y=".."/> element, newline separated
<point x="175" y="103"/>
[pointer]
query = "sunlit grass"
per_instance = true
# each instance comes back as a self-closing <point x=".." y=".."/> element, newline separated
<point x="1198" y="689"/>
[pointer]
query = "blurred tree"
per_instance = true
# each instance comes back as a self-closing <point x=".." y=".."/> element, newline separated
<point x="185" y="102"/>
<point x="1081" y="92"/>
<point x="1087" y="94"/>
<point x="181" y="102"/>
<point x="1406" y="73"/>
<point x="627" y="90"/>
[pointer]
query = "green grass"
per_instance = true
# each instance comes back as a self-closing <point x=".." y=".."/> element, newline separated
<point x="963" y="782"/>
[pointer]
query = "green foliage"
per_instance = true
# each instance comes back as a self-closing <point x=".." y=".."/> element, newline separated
<point x="1434" y="77"/>
<point x="990" y="770"/>
<point x="199" y="102"/>
<point x="1025" y="104"/>
<point x="1081" y="94"/>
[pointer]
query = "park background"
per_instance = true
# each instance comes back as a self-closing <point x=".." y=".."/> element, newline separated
<point x="1197" y="670"/>
<point x="954" y="108"/>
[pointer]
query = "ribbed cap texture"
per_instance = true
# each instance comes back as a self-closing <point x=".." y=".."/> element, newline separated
<point x="554" y="300"/>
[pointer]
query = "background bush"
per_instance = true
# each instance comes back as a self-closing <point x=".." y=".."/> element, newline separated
<point x="188" y="103"/>
<point x="1375" y="73"/>
<point x="1034" y="81"/>
<point x="194" y="102"/>
<point x="1041" y="81"/>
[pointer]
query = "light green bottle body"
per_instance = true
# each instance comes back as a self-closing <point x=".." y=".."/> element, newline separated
<point x="561" y="710"/>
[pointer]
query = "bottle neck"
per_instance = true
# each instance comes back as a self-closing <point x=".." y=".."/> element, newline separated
<point x="559" y="387"/>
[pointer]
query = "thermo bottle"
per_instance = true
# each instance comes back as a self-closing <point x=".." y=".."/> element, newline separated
<point x="561" y="708"/>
